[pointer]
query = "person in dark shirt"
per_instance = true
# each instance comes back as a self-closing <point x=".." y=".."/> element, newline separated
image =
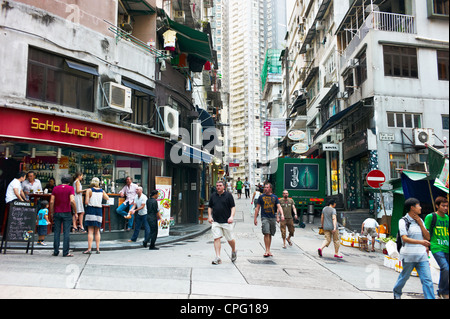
<point x="270" y="215"/>
<point x="221" y="213"/>
<point x="153" y="216"/>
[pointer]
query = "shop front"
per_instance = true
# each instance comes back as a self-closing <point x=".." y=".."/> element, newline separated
<point x="53" y="146"/>
<point x="359" y="161"/>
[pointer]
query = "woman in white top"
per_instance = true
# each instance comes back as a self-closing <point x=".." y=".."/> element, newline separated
<point x="79" y="201"/>
<point x="94" y="214"/>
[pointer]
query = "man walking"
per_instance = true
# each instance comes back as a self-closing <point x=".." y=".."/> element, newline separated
<point x="221" y="213"/>
<point x="140" y="207"/>
<point x="61" y="202"/>
<point x="437" y="225"/>
<point x="153" y="217"/>
<point x="239" y="186"/>
<point x="289" y="212"/>
<point x="270" y="215"/>
<point x="247" y="188"/>
<point x="413" y="254"/>
<point x="329" y="226"/>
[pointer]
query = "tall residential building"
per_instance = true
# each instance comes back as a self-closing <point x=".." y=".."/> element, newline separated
<point x="253" y="26"/>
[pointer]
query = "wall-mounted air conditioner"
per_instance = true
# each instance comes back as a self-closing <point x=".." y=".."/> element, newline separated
<point x="424" y="136"/>
<point x="170" y="121"/>
<point x="117" y="98"/>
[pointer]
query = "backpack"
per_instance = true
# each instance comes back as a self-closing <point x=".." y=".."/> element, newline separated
<point x="400" y="243"/>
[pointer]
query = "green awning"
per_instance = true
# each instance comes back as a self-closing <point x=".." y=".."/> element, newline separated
<point x="192" y="41"/>
<point x="138" y="7"/>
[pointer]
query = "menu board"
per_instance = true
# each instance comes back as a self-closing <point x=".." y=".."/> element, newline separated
<point x="21" y="223"/>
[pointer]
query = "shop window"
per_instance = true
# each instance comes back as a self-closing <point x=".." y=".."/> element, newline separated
<point x="400" y="61"/>
<point x="54" y="79"/>
<point x="442" y="62"/>
<point x="404" y="120"/>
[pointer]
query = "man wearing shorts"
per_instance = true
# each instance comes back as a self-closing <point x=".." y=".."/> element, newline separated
<point x="270" y="215"/>
<point x="221" y="213"/>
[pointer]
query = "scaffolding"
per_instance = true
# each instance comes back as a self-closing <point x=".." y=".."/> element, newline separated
<point x="272" y="66"/>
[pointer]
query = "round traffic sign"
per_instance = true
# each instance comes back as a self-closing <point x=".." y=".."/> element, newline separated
<point x="376" y="179"/>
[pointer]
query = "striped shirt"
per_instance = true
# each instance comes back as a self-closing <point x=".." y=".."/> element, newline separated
<point x="412" y="252"/>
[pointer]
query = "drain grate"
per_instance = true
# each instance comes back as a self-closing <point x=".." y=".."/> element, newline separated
<point x="262" y="262"/>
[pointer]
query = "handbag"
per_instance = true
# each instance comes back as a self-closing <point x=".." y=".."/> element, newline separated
<point x="321" y="231"/>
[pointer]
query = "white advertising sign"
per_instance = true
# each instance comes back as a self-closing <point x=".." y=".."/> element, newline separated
<point x="164" y="187"/>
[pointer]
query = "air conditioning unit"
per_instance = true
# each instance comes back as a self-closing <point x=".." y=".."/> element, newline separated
<point x="424" y="136"/>
<point x="353" y="63"/>
<point x="118" y="98"/>
<point x="170" y="121"/>
<point x="196" y="133"/>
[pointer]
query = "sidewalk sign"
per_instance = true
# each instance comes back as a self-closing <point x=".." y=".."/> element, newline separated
<point x="20" y="225"/>
<point x="164" y="187"/>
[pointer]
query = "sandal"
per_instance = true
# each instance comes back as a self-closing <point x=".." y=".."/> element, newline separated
<point x="68" y="255"/>
<point x="289" y="242"/>
<point x="266" y="255"/>
<point x="87" y="252"/>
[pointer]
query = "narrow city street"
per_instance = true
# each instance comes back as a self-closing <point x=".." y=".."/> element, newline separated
<point x="184" y="270"/>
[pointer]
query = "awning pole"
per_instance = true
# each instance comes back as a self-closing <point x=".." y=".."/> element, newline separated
<point x="429" y="187"/>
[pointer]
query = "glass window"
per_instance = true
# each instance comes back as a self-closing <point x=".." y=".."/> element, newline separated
<point x="443" y="68"/>
<point x="397" y="161"/>
<point x="445" y="123"/>
<point x="51" y="80"/>
<point x="400" y="61"/>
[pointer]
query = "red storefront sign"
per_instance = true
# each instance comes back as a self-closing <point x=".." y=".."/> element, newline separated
<point x="38" y="127"/>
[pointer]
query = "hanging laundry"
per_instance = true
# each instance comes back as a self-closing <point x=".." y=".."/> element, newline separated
<point x="170" y="38"/>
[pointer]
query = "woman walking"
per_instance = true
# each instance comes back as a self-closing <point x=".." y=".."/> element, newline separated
<point x="79" y="201"/>
<point x="94" y="216"/>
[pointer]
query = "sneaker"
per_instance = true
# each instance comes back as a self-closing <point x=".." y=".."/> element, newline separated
<point x="217" y="261"/>
<point x="42" y="243"/>
<point x="233" y="256"/>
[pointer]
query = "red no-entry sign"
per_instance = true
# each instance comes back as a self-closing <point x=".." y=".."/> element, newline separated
<point x="376" y="179"/>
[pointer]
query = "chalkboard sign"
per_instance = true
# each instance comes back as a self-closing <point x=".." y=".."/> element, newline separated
<point x="21" y="224"/>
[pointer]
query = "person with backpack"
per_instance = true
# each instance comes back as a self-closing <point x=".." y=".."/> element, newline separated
<point x="413" y="253"/>
<point x="437" y="225"/>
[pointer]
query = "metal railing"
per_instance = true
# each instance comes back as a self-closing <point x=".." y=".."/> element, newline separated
<point x="386" y="21"/>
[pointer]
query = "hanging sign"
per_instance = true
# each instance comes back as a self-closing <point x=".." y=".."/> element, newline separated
<point x="275" y="128"/>
<point x="300" y="148"/>
<point x="297" y="135"/>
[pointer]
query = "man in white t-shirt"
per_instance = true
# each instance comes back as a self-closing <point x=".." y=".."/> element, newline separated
<point x="140" y="207"/>
<point x="14" y="190"/>
<point x="370" y="227"/>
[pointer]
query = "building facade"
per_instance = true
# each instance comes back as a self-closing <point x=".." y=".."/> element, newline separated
<point x="376" y="82"/>
<point x="94" y="87"/>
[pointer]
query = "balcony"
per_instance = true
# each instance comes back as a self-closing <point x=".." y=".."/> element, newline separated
<point x="351" y="33"/>
<point x="386" y="21"/>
